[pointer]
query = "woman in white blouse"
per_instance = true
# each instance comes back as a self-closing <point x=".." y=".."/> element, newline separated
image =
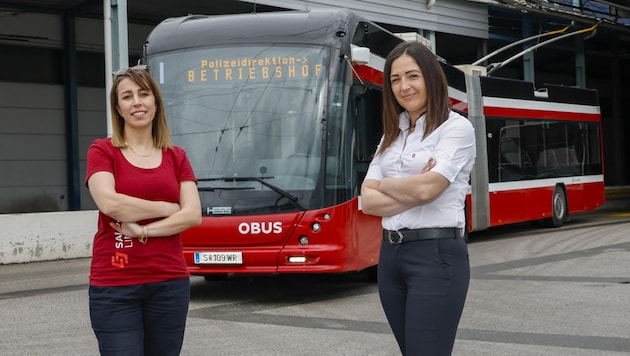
<point x="417" y="183"/>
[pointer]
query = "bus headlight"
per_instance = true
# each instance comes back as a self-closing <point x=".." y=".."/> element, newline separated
<point x="316" y="227"/>
<point x="303" y="240"/>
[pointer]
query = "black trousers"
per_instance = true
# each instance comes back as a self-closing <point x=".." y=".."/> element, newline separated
<point x="422" y="286"/>
<point x="140" y="320"/>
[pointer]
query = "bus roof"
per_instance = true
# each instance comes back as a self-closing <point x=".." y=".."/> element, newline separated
<point x="519" y="89"/>
<point x="326" y="27"/>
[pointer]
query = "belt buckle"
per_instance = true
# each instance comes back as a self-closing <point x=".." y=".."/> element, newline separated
<point x="398" y="241"/>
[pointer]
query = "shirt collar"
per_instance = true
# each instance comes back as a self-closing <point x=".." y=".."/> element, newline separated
<point x="404" y="122"/>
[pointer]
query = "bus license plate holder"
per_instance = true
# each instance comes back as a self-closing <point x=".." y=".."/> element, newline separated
<point x="218" y="258"/>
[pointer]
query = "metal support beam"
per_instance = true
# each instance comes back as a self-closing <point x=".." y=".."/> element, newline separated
<point x="71" y="110"/>
<point x="430" y="35"/>
<point x="116" y="45"/>
<point x="615" y="155"/>
<point x="580" y="63"/>
<point x="529" y="67"/>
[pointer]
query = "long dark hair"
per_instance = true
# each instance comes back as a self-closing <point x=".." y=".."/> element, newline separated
<point x="438" y="105"/>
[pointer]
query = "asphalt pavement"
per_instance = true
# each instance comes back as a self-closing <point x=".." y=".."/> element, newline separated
<point x="534" y="291"/>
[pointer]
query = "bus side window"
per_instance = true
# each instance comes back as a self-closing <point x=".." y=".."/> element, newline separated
<point x="368" y="115"/>
<point x="548" y="158"/>
<point x="514" y="161"/>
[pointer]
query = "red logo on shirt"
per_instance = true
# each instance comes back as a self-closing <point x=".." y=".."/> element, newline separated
<point x="120" y="260"/>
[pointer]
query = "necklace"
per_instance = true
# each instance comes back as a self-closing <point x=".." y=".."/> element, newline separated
<point x="139" y="154"/>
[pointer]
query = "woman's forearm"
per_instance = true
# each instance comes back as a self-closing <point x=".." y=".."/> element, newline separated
<point x="168" y="226"/>
<point x="187" y="216"/>
<point x="415" y="190"/>
<point x="126" y="208"/>
<point x="375" y="202"/>
<point x="122" y="207"/>
<point x="173" y="224"/>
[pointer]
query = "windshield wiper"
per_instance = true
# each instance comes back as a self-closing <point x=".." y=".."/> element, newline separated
<point x="261" y="180"/>
<point x="212" y="189"/>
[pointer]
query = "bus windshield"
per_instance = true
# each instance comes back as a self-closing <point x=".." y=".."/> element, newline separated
<point x="248" y="115"/>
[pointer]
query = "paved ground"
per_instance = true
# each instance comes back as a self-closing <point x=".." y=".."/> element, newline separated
<point x="533" y="292"/>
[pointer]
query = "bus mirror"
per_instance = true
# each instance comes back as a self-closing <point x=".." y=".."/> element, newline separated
<point x="360" y="55"/>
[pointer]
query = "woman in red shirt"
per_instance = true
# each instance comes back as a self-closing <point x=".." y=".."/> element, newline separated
<point x="146" y="193"/>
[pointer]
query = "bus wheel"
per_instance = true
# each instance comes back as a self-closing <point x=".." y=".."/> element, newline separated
<point x="558" y="208"/>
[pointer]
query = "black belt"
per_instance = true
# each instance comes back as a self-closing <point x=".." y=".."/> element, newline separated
<point x="408" y="235"/>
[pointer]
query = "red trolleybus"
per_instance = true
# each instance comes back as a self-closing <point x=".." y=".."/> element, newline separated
<point x="280" y="114"/>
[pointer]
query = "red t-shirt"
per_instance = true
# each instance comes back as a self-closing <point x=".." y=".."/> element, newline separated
<point x="116" y="259"/>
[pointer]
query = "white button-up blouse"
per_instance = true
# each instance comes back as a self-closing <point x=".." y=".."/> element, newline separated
<point x="452" y="145"/>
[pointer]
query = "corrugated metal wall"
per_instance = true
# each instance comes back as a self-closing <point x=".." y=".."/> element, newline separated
<point x="456" y="17"/>
<point x="33" y="164"/>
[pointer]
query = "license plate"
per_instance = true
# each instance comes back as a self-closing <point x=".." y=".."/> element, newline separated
<point x="219" y="258"/>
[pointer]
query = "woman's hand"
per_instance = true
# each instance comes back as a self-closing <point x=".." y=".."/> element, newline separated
<point x="429" y="166"/>
<point x="129" y="229"/>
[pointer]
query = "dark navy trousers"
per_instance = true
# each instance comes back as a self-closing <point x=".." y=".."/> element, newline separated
<point x="422" y="286"/>
<point x="140" y="320"/>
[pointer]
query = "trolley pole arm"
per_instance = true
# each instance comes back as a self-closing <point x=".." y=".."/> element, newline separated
<point x="492" y="54"/>
<point x="495" y="66"/>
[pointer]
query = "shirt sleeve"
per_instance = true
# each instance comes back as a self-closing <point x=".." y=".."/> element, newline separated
<point x="98" y="159"/>
<point x="456" y="147"/>
<point x="186" y="172"/>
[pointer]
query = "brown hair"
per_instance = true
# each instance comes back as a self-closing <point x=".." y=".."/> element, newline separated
<point x="160" y="131"/>
<point x="438" y="105"/>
